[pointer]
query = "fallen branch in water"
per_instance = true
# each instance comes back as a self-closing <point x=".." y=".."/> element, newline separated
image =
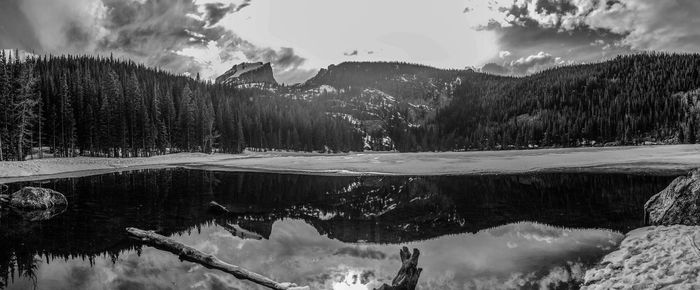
<point x="207" y="260"/>
<point x="217" y="208"/>
<point x="408" y="275"/>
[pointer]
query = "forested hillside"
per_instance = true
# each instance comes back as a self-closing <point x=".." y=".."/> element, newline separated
<point x="628" y="101"/>
<point x="106" y="107"/>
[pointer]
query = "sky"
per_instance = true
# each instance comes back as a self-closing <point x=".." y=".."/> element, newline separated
<point x="510" y="37"/>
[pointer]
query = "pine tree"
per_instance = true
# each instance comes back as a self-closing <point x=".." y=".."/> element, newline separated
<point x="4" y="105"/>
<point x="168" y="118"/>
<point x="24" y="106"/>
<point x="68" y="130"/>
<point x="186" y="118"/>
<point x="240" y="136"/>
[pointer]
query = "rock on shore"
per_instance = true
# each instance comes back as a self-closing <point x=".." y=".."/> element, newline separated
<point x="678" y="203"/>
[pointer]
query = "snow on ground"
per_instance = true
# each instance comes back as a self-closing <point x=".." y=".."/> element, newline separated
<point x="668" y="158"/>
<point x="664" y="257"/>
<point x="52" y="167"/>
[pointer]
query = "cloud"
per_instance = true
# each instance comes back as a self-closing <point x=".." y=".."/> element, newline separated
<point x="284" y="58"/>
<point x="286" y="64"/>
<point x="598" y="42"/>
<point x="494" y="68"/>
<point x="529" y="63"/>
<point x="504" y="54"/>
<point x="216" y="11"/>
<point x="245" y="4"/>
<point x="365" y="253"/>
<point x="651" y="25"/>
<point x="525" y="65"/>
<point x="639" y="24"/>
<point x="15" y="29"/>
<point x="351" y="53"/>
<point x="182" y="36"/>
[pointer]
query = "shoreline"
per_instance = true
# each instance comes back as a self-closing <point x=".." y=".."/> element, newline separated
<point x="660" y="159"/>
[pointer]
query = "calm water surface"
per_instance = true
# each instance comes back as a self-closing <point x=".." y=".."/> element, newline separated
<point x="474" y="232"/>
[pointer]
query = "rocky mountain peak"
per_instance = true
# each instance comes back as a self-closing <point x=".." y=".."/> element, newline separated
<point x="248" y="72"/>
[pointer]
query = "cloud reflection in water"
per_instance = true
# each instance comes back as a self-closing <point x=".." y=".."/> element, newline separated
<point x="507" y="257"/>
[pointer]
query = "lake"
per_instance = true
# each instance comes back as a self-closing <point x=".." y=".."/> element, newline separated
<point x="329" y="232"/>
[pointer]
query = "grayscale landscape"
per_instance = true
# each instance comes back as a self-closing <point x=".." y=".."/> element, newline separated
<point x="373" y="145"/>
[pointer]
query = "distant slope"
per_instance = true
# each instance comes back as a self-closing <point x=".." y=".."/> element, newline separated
<point x="372" y="95"/>
<point x="406" y="81"/>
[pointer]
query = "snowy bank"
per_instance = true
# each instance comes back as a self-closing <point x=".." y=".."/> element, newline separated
<point x="651" y="258"/>
<point x="79" y="166"/>
<point x="672" y="159"/>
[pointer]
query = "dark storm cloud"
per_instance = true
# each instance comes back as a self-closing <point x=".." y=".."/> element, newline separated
<point x="555" y="7"/>
<point x="351" y="53"/>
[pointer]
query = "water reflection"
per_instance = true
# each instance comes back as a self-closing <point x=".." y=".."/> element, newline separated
<point x="511" y="256"/>
<point x="329" y="232"/>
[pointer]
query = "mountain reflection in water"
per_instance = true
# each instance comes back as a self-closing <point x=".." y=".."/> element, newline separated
<point x="326" y="232"/>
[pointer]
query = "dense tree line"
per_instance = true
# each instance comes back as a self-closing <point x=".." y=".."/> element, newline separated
<point x="96" y="106"/>
<point x="630" y="100"/>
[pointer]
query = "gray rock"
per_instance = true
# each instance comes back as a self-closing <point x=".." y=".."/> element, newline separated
<point x="677" y="204"/>
<point x="34" y="198"/>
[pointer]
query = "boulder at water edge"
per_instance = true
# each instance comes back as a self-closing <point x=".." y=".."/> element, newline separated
<point x="34" y="198"/>
<point x="678" y="203"/>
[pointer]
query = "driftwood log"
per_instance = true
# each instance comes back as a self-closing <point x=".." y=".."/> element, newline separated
<point x="216" y="208"/>
<point x="408" y="275"/>
<point x="207" y="260"/>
